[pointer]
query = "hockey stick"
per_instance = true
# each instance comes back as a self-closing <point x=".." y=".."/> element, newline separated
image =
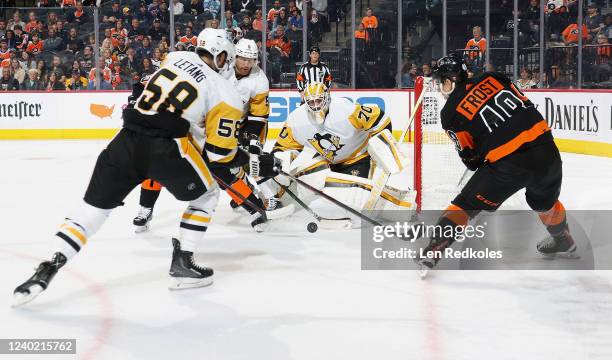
<point x="383" y="178"/>
<point x="412" y="115"/>
<point x="241" y="197"/>
<point x="326" y="223"/>
<point x="330" y="199"/>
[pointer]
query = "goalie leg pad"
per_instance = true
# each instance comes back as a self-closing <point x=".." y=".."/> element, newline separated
<point x="386" y="153"/>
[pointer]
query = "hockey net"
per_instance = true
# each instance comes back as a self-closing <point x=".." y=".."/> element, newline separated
<point x="438" y="171"/>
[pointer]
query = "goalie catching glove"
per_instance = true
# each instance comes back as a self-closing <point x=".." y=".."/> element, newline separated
<point x="264" y="165"/>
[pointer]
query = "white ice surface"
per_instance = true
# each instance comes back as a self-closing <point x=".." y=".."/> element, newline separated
<point x="284" y="294"/>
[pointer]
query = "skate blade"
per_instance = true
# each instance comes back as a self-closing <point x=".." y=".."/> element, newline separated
<point x="189" y="283"/>
<point x="141" y="229"/>
<point x="561" y="255"/>
<point x="423" y="273"/>
<point x="20" y="299"/>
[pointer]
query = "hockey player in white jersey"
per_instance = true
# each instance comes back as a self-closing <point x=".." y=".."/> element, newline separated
<point x="337" y="145"/>
<point x="252" y="85"/>
<point x="181" y="132"/>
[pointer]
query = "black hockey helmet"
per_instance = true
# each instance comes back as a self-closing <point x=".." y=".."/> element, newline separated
<point x="450" y="67"/>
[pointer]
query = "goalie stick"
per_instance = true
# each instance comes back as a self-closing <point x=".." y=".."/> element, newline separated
<point x="330" y="199"/>
<point x="326" y="223"/>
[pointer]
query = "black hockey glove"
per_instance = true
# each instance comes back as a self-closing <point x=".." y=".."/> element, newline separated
<point x="264" y="165"/>
<point x="470" y="159"/>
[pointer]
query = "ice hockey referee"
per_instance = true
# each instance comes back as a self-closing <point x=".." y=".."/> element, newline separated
<point x="313" y="70"/>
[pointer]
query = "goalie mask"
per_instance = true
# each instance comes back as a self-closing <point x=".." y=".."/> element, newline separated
<point x="317" y="101"/>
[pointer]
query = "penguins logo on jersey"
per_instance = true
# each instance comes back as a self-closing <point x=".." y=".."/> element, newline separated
<point x="327" y="145"/>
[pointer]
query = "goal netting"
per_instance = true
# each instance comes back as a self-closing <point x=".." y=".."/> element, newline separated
<point x="437" y="167"/>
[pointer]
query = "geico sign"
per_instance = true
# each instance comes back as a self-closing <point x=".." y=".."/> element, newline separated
<point x="282" y="106"/>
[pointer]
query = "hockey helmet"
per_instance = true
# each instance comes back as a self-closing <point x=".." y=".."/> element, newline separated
<point x="450" y="67"/>
<point x="215" y="42"/>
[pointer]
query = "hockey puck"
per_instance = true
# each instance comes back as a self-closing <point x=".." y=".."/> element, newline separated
<point x="312" y="227"/>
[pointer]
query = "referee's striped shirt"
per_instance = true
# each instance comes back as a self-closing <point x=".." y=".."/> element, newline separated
<point x="310" y="73"/>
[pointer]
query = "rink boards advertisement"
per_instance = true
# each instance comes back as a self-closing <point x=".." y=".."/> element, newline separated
<point x="581" y="120"/>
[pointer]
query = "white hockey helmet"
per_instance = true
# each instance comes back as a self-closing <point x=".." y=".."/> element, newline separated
<point x="247" y="48"/>
<point x="317" y="101"/>
<point x="215" y="42"/>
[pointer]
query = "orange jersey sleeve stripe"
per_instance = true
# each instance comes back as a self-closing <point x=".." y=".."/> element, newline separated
<point x="524" y="137"/>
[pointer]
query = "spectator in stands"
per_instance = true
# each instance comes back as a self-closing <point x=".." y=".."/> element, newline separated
<point x="245" y="6"/>
<point x="211" y="8"/>
<point x="409" y="75"/>
<point x="214" y="24"/>
<point x="137" y="32"/>
<point x="59" y="30"/>
<point x="27" y="62"/>
<point x="76" y="82"/>
<point x="156" y="32"/>
<point x="121" y="50"/>
<point x="35" y="46"/>
<point x="281" y="20"/>
<point x="143" y="16"/>
<point x="51" y="18"/>
<point x="426" y="68"/>
<point x="54" y="83"/>
<point x="476" y="46"/>
<point x="105" y="76"/>
<point x="273" y="12"/>
<point x="296" y="22"/>
<point x="53" y="42"/>
<point x="594" y="21"/>
<point x="228" y="20"/>
<point x="4" y="49"/>
<point x="146" y="68"/>
<point x="17" y="71"/>
<point x="607" y="30"/>
<point x="32" y="22"/>
<point x="57" y="67"/>
<point x="603" y="62"/>
<point x="177" y="7"/>
<point x="145" y="50"/>
<point x="15" y="21"/>
<point x="118" y="78"/>
<point x="163" y="14"/>
<point x="189" y="37"/>
<point x="314" y="28"/>
<point x="153" y="9"/>
<point x="17" y="39"/>
<point x="76" y="65"/>
<point x="195" y="8"/>
<point x="370" y="21"/>
<point x="525" y="81"/>
<point x="177" y="34"/>
<point x="2" y="27"/>
<point x="362" y="35"/>
<point x="571" y="34"/>
<point x="79" y="15"/>
<point x="118" y="32"/>
<point x="41" y="66"/>
<point x="157" y="58"/>
<point x="32" y="83"/>
<point x="74" y="43"/>
<point x="258" y="21"/>
<point x="108" y="56"/>
<point x="8" y="82"/>
<point x="246" y="24"/>
<point x="113" y="14"/>
<point x="280" y="48"/>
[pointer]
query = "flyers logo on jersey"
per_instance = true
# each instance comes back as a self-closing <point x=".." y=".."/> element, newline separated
<point x="327" y="145"/>
<point x="478" y="96"/>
